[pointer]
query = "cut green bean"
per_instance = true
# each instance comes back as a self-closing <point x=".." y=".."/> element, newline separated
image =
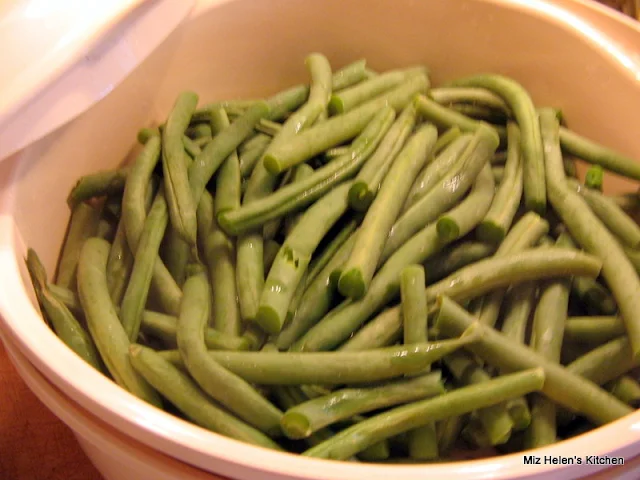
<point x="519" y="302"/>
<point x="82" y="225"/>
<point x="294" y="256"/>
<point x="503" y="209"/>
<point x="100" y="184"/>
<point x="597" y="154"/>
<point x="341" y="128"/>
<point x="400" y="419"/>
<point x="454" y="258"/>
<point x="592" y="235"/>
<point x="104" y="325"/>
<point x="382" y="331"/>
<point x="187" y="396"/>
<point x="626" y="389"/>
<point x="520" y="103"/>
<point x="606" y="362"/>
<point x="370" y="239"/>
<point x="446" y="139"/>
<point x="312" y="415"/>
<point x="349" y="75"/>
<point x="593" y="330"/>
<point x="454" y="184"/>
<point x="228" y="178"/>
<point x="473" y="96"/>
<point x="301" y="172"/>
<point x="562" y="386"/>
<point x="594" y="177"/>
<point x="300" y="194"/>
<point x="332" y="368"/>
<point x="367" y="183"/>
<point x="227" y="388"/>
<point x="182" y="210"/>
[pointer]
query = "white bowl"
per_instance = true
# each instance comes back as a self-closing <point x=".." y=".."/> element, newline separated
<point x="555" y="49"/>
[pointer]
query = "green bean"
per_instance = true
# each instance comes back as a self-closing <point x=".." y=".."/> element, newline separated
<point x="606" y="362"/>
<point x="449" y="189"/>
<point x="534" y="264"/>
<point x="474" y="96"/>
<point x="147" y="133"/>
<point x="349" y="75"/>
<point x="82" y="225"/>
<point x="99" y="184"/>
<point x="562" y="386"/>
<point x="520" y="103"/>
<point x="519" y="303"/>
<point x="495" y="419"/>
<point x="187" y="396"/>
<point x="342" y="322"/>
<point x="482" y="113"/>
<point x="597" y="154"/>
<point x="612" y="216"/>
<point x="332" y="368"/>
<point x="448" y="137"/>
<point x="450" y="225"/>
<point x="227" y="388"/>
<point x="382" y="331"/>
<point x="368" y="181"/>
<point x="258" y="140"/>
<point x="250" y="157"/>
<point x="454" y="258"/>
<point x="68" y="297"/>
<point x="341" y="128"/>
<point x="498" y="174"/>
<point x="447" y="117"/>
<point x="592" y="235"/>
<point x="66" y="326"/>
<point x="349" y="98"/>
<point x="300" y="172"/>
<point x="182" y="209"/>
<point x="250" y="268"/>
<point x="105" y="328"/>
<point x="316" y="300"/>
<point x="593" y="330"/>
<point x="370" y="239"/>
<point x="503" y="209"/>
<point x="294" y="256"/>
<point x="207" y="163"/>
<point x="228" y="178"/>
<point x="596" y="297"/>
<point x="401" y="419"/>
<point x="271" y="249"/>
<point x="449" y="430"/>
<point x="300" y="194"/>
<point x="197" y="130"/>
<point x="221" y="259"/>
<point x="119" y="265"/>
<point x="312" y="415"/>
<point x="176" y="253"/>
<point x="634" y="257"/>
<point x="191" y="147"/>
<point x="626" y="389"/>
<point x="268" y="127"/>
<point x="594" y="177"/>
<point x="164" y="327"/>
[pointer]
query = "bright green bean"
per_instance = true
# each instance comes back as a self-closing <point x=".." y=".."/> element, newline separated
<point x="520" y="103"/>
<point x="187" y="396"/>
<point x="560" y="385"/>
<point x="400" y="419"/>
<point x="370" y="239"/>
<point x="104" y="326"/>
<point x="227" y="388"/>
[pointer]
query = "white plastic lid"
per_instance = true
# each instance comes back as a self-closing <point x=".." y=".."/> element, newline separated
<point x="60" y="56"/>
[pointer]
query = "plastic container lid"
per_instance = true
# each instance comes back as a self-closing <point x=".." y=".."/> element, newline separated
<point x="59" y="57"/>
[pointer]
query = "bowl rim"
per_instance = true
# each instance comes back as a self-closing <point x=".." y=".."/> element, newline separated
<point x="23" y="326"/>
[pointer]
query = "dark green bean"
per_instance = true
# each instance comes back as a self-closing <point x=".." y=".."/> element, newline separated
<point x="99" y="184"/>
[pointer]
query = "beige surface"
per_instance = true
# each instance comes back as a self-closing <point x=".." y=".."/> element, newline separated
<point x="34" y="444"/>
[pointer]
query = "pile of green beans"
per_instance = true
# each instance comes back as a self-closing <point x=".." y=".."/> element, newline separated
<point x="361" y="268"/>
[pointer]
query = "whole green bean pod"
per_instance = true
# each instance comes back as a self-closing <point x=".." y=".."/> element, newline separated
<point x="294" y="256"/>
<point x="182" y="210"/>
<point x="520" y="103"/>
<point x="591" y="234"/>
<point x="562" y="386"/>
<point x="503" y="209"/>
<point x="229" y="389"/>
<point x="66" y="326"/>
<point x="331" y="368"/>
<point x="82" y="225"/>
<point x="597" y="154"/>
<point x="437" y="169"/>
<point x="187" y="396"/>
<point x="104" y="325"/>
<point x="344" y="320"/>
<point x="451" y="404"/>
<point x="341" y="128"/>
<point x="370" y="239"/>
<point x="312" y="415"/>
<point x="99" y="184"/>
<point x="593" y="330"/>
<point x="455" y="183"/>
<point x="368" y="181"/>
<point x="300" y="194"/>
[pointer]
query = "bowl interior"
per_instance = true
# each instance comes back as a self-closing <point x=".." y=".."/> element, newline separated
<point x="244" y="48"/>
